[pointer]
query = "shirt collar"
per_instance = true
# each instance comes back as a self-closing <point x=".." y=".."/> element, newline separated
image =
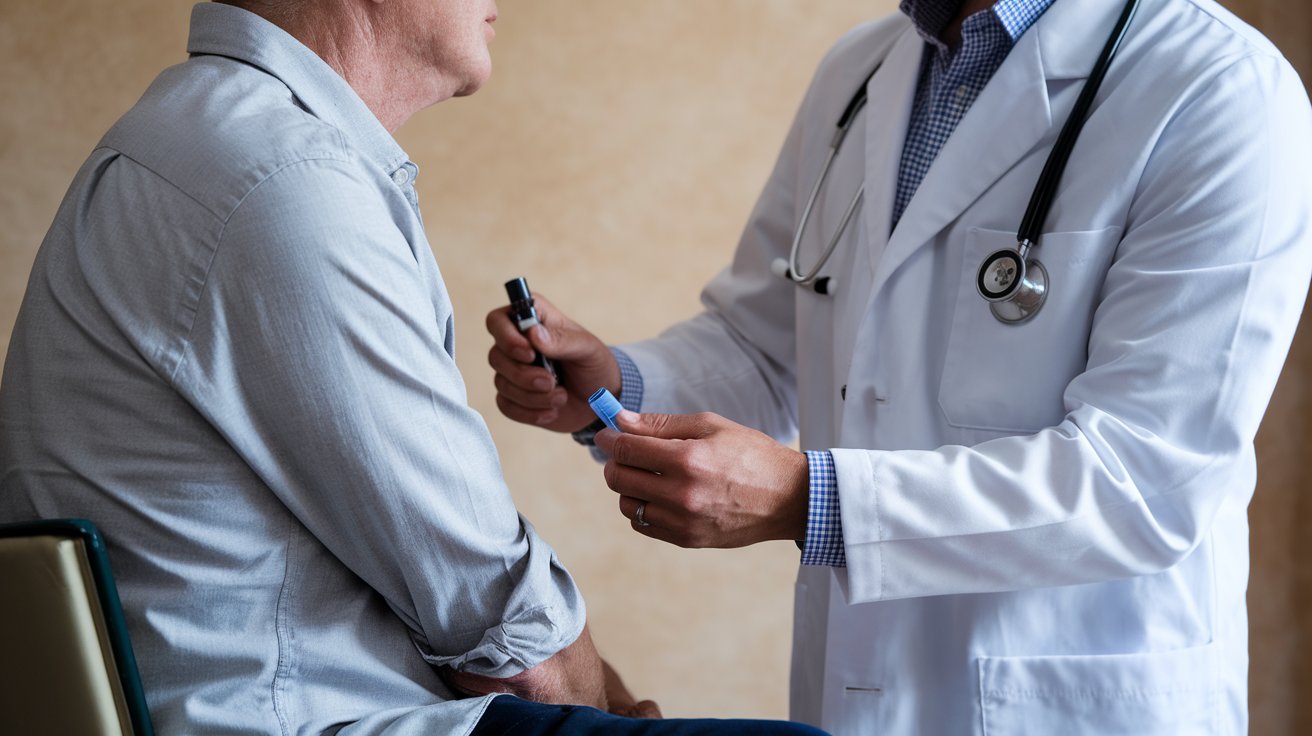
<point x="930" y="17"/>
<point x="225" y="30"/>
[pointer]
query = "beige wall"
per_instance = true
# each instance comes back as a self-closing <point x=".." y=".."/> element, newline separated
<point x="618" y="139"/>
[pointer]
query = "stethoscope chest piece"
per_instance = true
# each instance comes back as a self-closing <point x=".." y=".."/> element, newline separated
<point x="1014" y="286"/>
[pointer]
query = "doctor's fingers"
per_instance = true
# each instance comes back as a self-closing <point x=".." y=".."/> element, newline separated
<point x="629" y="509"/>
<point x="524" y="415"/>
<point x="506" y="335"/>
<point x="524" y="375"/>
<point x="647" y="453"/>
<point x="530" y="398"/>
<point x="673" y="426"/>
<point x="667" y="524"/>
<point x="656" y="516"/>
<point x="638" y="484"/>
<point x="676" y="492"/>
<point x="551" y="317"/>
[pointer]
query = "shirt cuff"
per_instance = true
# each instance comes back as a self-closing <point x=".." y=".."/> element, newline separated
<point x="630" y="381"/>
<point x="824" y="525"/>
<point x="630" y="398"/>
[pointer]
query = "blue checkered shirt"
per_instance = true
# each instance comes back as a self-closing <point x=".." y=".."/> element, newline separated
<point x="630" y="381"/>
<point x="950" y="80"/>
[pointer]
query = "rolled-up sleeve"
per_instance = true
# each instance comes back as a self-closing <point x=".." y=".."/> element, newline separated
<point x="317" y="351"/>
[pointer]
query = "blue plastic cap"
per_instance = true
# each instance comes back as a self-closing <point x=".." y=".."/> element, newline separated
<point x="606" y="406"/>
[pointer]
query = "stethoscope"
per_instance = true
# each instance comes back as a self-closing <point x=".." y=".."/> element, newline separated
<point x="1014" y="284"/>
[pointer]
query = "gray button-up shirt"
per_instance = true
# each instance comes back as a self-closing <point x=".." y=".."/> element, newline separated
<point x="235" y="357"/>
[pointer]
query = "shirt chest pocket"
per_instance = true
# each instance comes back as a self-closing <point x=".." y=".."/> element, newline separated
<point x="1011" y="377"/>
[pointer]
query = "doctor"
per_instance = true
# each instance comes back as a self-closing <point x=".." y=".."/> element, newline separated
<point x="1011" y="523"/>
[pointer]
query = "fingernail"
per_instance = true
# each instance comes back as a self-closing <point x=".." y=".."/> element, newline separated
<point x="542" y="384"/>
<point x="558" y="399"/>
<point x="547" y="417"/>
<point x="541" y="335"/>
<point x="627" y="417"/>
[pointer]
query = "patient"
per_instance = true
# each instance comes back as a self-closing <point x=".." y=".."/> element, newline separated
<point x="235" y="356"/>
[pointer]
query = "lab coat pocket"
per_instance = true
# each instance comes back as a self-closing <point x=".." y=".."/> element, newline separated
<point x="1011" y="377"/>
<point x="1173" y="693"/>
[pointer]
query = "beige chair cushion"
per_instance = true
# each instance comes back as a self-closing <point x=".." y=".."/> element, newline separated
<point x="57" y="672"/>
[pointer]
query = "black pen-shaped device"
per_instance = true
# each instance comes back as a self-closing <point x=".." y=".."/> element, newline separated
<point x="524" y="315"/>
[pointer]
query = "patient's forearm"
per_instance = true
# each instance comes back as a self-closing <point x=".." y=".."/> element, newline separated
<point x="572" y="675"/>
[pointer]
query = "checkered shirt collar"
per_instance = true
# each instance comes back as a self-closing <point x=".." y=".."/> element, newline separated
<point x="930" y="17"/>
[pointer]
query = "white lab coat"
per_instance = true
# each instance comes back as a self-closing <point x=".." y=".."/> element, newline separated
<point x="1045" y="524"/>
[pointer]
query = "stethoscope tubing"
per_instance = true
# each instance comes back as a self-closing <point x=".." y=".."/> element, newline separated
<point x="807" y="278"/>
<point x="1045" y="189"/>
<point x="1036" y="213"/>
<point x="845" y="121"/>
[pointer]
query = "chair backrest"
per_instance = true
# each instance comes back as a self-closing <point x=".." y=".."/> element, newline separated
<point x="66" y="665"/>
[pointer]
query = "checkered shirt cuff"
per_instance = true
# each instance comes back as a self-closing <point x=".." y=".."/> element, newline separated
<point x="824" y="525"/>
<point x="630" y="398"/>
<point x="630" y="381"/>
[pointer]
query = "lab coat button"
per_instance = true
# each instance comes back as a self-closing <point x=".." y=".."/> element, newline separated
<point x="401" y="177"/>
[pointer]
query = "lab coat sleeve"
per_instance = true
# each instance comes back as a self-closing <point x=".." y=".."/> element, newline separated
<point x="737" y="358"/>
<point x="1196" y="315"/>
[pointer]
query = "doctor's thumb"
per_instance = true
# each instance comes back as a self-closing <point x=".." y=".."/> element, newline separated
<point x="630" y="421"/>
<point x="540" y="337"/>
<point x="549" y="342"/>
<point x="562" y="342"/>
<point x="667" y="426"/>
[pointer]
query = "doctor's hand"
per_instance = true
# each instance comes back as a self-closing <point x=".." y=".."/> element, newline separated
<point x="527" y="393"/>
<point x="704" y="481"/>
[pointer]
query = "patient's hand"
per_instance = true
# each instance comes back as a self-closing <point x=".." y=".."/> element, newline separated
<point x="622" y="702"/>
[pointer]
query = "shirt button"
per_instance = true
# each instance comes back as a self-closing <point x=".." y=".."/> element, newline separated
<point x="401" y="176"/>
<point x="962" y="91"/>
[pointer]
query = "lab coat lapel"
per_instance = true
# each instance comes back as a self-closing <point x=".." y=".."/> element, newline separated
<point x="1010" y="117"/>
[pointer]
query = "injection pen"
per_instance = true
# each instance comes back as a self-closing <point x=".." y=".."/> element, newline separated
<point x="524" y="315"/>
<point x="606" y="407"/>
